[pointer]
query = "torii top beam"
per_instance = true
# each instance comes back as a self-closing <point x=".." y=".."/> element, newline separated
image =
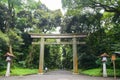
<point x="57" y="36"/>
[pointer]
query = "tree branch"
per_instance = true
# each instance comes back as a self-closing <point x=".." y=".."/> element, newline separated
<point x="105" y="7"/>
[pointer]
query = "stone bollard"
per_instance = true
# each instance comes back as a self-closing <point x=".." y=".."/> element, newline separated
<point x="104" y="60"/>
<point x="9" y="57"/>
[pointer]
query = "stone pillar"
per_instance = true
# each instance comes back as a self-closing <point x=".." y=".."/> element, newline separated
<point x="104" y="70"/>
<point x="75" y="58"/>
<point x="41" y="57"/>
<point x="8" y="69"/>
<point x="104" y="60"/>
<point x="9" y="57"/>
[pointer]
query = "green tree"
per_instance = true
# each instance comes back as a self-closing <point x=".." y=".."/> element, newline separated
<point x="97" y="19"/>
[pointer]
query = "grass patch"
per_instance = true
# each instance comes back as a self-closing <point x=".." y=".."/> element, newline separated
<point x="98" y="72"/>
<point x="92" y="72"/>
<point x="20" y="71"/>
<point x="2" y="73"/>
<point x="111" y="72"/>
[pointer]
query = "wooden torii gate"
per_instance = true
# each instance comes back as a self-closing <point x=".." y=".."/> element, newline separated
<point x="74" y="42"/>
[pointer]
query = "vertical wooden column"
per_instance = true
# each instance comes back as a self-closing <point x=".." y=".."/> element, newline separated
<point x="75" y="58"/>
<point x="41" y="57"/>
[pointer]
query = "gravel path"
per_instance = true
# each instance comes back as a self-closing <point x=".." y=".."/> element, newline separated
<point x="55" y="75"/>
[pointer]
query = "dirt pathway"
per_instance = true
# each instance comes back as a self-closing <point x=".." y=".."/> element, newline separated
<point x="55" y="75"/>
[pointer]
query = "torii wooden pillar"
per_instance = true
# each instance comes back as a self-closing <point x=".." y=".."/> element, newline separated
<point x="75" y="57"/>
<point x="58" y="36"/>
<point x="41" y="58"/>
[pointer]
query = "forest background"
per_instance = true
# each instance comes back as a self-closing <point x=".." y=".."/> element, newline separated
<point x="99" y="19"/>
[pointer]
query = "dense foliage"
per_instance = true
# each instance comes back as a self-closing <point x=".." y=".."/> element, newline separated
<point x="99" y="19"/>
<point x="17" y="20"/>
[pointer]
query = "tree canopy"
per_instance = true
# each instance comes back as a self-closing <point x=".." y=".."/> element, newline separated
<point x="99" y="19"/>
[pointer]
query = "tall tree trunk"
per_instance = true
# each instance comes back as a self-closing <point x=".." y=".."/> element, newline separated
<point x="10" y="49"/>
